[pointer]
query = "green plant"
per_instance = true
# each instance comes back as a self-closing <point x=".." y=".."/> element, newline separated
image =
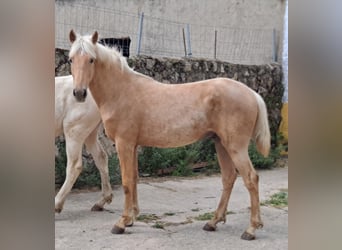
<point x="259" y="161"/>
<point x="147" y="217"/>
<point x="277" y="200"/>
<point x="90" y="176"/>
<point x="158" y="225"/>
<point x="205" y="216"/>
<point x="60" y="163"/>
<point x="209" y="215"/>
<point x="153" y="159"/>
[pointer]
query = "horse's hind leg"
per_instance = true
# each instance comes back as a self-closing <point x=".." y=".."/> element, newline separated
<point x="244" y="165"/>
<point x="100" y="157"/>
<point x="73" y="170"/>
<point x="229" y="175"/>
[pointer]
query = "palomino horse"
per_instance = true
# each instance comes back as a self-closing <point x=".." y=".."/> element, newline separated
<point x="79" y="123"/>
<point x="137" y="110"/>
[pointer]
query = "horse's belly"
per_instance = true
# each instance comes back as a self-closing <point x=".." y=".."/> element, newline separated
<point x="171" y="135"/>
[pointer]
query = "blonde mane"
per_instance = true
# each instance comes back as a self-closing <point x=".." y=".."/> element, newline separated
<point x="83" y="44"/>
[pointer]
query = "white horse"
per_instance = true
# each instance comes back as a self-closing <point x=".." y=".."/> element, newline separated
<point x="79" y="123"/>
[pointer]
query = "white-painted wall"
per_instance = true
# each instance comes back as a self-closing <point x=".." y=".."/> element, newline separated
<point x="237" y="22"/>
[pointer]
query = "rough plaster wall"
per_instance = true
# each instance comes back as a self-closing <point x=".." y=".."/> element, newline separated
<point x="237" y="13"/>
<point x="262" y="14"/>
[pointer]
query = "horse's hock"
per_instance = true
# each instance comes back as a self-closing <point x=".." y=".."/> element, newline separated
<point x="265" y="79"/>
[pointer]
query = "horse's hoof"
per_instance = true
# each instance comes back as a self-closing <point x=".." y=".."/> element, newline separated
<point x="247" y="236"/>
<point x="117" y="230"/>
<point x="58" y="210"/>
<point x="97" y="208"/>
<point x="209" y="228"/>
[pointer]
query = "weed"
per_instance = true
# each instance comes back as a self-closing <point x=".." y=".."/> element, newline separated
<point x="205" y="216"/>
<point x="147" y="217"/>
<point x="278" y="200"/>
<point x="158" y="225"/>
<point x="209" y="216"/>
<point x="169" y="214"/>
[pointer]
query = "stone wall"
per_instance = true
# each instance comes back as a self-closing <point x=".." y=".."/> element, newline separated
<point x="265" y="79"/>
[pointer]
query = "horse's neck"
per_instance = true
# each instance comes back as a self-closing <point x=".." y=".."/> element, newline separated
<point x="109" y="83"/>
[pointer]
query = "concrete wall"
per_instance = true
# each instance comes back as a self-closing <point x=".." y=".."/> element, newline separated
<point x="243" y="15"/>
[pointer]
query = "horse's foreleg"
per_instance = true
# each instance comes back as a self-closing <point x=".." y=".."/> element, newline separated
<point x="229" y="175"/>
<point x="101" y="161"/>
<point x="129" y="174"/>
<point x="73" y="170"/>
<point x="251" y="179"/>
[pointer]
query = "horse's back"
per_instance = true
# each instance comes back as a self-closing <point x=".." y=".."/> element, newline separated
<point x="212" y="95"/>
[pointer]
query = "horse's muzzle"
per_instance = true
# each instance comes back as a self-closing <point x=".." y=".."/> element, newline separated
<point x="80" y="94"/>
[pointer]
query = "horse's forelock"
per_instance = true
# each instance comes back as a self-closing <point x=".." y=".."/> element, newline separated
<point x="83" y="45"/>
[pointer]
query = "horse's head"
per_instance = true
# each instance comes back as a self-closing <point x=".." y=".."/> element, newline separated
<point x="82" y="58"/>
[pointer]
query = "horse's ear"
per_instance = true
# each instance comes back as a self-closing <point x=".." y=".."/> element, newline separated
<point x="72" y="36"/>
<point x="94" y="37"/>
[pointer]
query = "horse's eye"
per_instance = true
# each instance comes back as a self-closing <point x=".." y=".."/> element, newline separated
<point x="70" y="60"/>
<point x="91" y="60"/>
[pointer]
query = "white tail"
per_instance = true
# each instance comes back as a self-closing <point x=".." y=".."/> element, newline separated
<point x="262" y="135"/>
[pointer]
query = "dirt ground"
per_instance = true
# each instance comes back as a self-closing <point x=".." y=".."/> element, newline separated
<point x="171" y="207"/>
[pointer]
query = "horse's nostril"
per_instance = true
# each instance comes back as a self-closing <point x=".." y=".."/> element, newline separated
<point x="74" y="92"/>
